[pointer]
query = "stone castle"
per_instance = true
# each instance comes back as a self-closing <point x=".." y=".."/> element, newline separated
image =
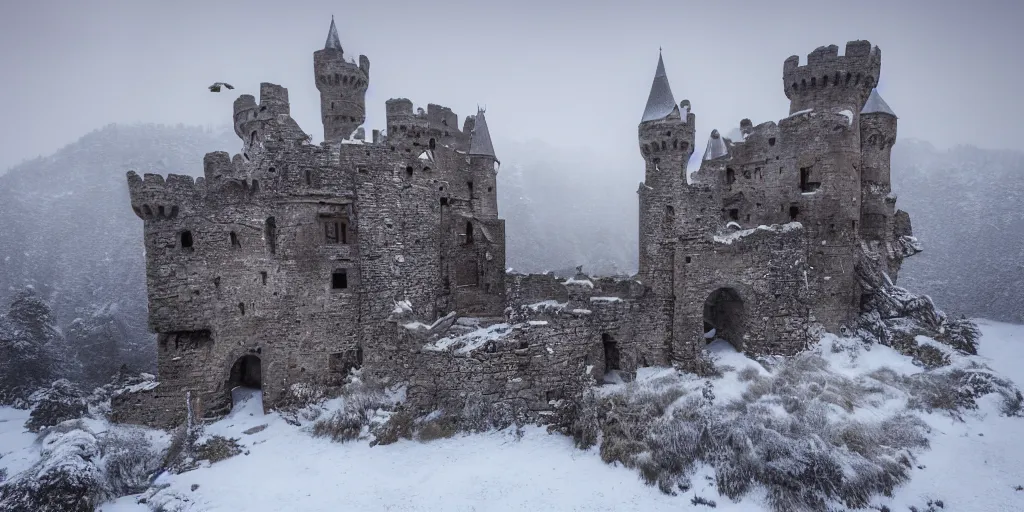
<point x="292" y="263"/>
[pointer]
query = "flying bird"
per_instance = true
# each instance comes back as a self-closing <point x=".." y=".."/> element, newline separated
<point x="216" y="86"/>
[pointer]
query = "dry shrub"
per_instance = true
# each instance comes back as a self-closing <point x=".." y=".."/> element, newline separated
<point x="218" y="448"/>
<point x="789" y="434"/>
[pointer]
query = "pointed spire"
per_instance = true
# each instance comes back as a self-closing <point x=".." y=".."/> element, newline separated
<point x="333" y="42"/>
<point x="876" y="105"/>
<point x="716" y="147"/>
<point x="480" y="139"/>
<point x="660" y="103"/>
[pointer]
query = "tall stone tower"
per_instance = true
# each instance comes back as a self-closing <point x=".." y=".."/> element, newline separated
<point x="877" y="136"/>
<point x="666" y="135"/>
<point x="483" y="165"/>
<point x="342" y="85"/>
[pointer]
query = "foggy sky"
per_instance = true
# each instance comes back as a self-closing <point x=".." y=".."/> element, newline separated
<point x="574" y="73"/>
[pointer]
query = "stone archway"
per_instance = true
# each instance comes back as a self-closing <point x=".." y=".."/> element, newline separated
<point x="245" y="379"/>
<point x="724" y="318"/>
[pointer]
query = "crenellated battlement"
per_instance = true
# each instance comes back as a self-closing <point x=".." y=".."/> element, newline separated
<point x="828" y="79"/>
<point x="155" y="198"/>
<point x="671" y="135"/>
<point x="437" y="123"/>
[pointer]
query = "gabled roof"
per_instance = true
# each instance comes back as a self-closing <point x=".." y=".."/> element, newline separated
<point x="480" y="139"/>
<point x="716" y="147"/>
<point x="876" y="105"/>
<point x="333" y="42"/>
<point x="660" y="103"/>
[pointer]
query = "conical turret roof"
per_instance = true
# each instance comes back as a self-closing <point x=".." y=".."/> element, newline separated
<point x="716" y="147"/>
<point x="480" y="139"/>
<point x="333" y="42"/>
<point x="876" y="105"/>
<point x="660" y="102"/>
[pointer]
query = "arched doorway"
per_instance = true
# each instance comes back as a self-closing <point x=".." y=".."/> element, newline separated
<point x="723" y="317"/>
<point x="246" y="378"/>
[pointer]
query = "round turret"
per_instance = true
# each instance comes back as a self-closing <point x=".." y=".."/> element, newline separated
<point x="342" y="87"/>
<point x="831" y="82"/>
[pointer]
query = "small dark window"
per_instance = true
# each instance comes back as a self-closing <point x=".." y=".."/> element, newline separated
<point x="271" y="170"/>
<point x="734" y="214"/>
<point x="854" y="224"/>
<point x="252" y="137"/>
<point x="216" y="282"/>
<point x="469" y="233"/>
<point x="794" y="212"/>
<point x="270" y="231"/>
<point x="730" y="176"/>
<point x="339" y="279"/>
<point x="689" y="259"/>
<point x="241" y="308"/>
<point x="309" y="177"/>
<point x="432" y="144"/>
<point x="670" y="210"/>
<point x="748" y="218"/>
<point x="771" y="141"/>
<point x="444" y="201"/>
<point x="806" y="185"/>
<point x="186" y="239"/>
<point x="490" y="189"/>
<point x="408" y="171"/>
<point x="469" y="186"/>
<point x="234" y="240"/>
<point x="263" y="278"/>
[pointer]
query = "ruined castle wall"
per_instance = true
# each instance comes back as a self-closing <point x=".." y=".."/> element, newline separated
<point x="555" y="355"/>
<point x="764" y="269"/>
<point x="524" y="289"/>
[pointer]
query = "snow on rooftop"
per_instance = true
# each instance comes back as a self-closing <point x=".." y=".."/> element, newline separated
<point x="578" y="282"/>
<point x="800" y="113"/>
<point x="402" y="306"/>
<point x="849" y="116"/>
<point x="776" y="228"/>
<point x="660" y="102"/>
<point x="876" y="105"/>
<point x="465" y="343"/>
<point x="546" y="304"/>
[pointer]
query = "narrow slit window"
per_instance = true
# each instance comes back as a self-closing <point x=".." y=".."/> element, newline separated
<point x="186" y="239"/>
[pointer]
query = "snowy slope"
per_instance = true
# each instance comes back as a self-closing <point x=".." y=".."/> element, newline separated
<point x="971" y="465"/>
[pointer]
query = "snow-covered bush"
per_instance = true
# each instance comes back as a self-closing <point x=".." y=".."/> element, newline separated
<point x="80" y="467"/>
<point x="795" y="432"/>
<point x="130" y="458"/>
<point x="366" y="403"/>
<point x="60" y="402"/>
<point x="66" y="479"/>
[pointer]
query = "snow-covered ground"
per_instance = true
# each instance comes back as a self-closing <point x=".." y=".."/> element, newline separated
<point x="971" y="465"/>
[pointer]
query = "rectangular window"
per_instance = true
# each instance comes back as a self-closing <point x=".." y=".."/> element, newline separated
<point x="806" y="185"/>
<point x="335" y="232"/>
<point x="339" y="279"/>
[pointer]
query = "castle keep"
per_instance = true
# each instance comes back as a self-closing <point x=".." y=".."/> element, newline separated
<point x="293" y="263"/>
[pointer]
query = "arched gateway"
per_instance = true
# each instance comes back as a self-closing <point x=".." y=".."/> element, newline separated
<point x="723" y="317"/>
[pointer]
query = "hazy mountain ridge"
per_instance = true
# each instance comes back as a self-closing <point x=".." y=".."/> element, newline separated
<point x="965" y="205"/>
<point x="69" y="231"/>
